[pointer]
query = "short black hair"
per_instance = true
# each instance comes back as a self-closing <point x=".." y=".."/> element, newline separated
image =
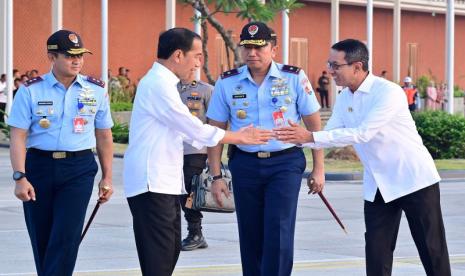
<point x="175" y="39"/>
<point x="355" y="51"/>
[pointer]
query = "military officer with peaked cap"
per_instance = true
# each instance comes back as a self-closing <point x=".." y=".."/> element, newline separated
<point x="56" y="120"/>
<point x="266" y="178"/>
<point x="195" y="94"/>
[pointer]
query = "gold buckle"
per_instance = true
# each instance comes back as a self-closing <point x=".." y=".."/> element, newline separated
<point x="59" y="154"/>
<point x="263" y="154"/>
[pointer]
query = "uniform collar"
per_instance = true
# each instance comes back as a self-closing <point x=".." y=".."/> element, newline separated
<point x="168" y="76"/>
<point x="81" y="80"/>
<point x="52" y="81"/>
<point x="272" y="72"/>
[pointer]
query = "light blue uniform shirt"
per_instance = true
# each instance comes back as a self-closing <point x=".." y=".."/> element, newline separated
<point x="47" y="98"/>
<point x="237" y="99"/>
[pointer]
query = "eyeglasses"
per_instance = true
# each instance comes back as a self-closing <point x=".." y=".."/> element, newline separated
<point x="335" y="66"/>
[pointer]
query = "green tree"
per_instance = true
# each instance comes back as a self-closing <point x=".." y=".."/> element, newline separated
<point x="251" y="10"/>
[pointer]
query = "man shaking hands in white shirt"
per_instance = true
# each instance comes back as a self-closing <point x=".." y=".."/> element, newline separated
<point x="153" y="162"/>
<point x="372" y="114"/>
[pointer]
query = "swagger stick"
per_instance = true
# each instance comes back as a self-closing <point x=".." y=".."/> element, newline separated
<point x="325" y="201"/>
<point x="90" y="219"/>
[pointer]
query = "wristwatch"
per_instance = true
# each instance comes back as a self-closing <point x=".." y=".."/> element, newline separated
<point x="17" y="175"/>
<point x="215" y="177"/>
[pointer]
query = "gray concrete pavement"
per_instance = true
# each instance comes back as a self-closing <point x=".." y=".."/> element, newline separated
<point x="321" y="247"/>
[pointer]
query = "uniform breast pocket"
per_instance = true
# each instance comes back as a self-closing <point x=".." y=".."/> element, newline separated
<point x="88" y="110"/>
<point x="283" y="103"/>
<point x="44" y="115"/>
<point x="240" y="112"/>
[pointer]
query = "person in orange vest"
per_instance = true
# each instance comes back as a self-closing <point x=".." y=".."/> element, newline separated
<point x="411" y="93"/>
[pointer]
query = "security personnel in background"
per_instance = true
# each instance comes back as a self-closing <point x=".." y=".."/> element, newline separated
<point x="266" y="178"/>
<point x="56" y="120"/>
<point x="411" y="93"/>
<point x="196" y="95"/>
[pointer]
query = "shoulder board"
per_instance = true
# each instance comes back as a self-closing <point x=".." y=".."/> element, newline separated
<point x="229" y="73"/>
<point x="96" y="81"/>
<point x="291" y="69"/>
<point x="32" y="81"/>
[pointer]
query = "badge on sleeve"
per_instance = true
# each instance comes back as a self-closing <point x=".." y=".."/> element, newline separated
<point x="278" y="119"/>
<point x="78" y="124"/>
<point x="307" y="86"/>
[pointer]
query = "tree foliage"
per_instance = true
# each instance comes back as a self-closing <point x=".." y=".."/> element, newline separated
<point x="250" y="10"/>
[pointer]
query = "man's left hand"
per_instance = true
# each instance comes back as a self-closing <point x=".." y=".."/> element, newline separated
<point x="105" y="190"/>
<point x="316" y="182"/>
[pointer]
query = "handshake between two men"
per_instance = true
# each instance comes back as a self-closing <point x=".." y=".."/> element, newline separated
<point x="294" y="133"/>
<point x="250" y="135"/>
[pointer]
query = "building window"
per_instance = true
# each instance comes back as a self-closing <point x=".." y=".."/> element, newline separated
<point x="412" y="60"/>
<point x="298" y="52"/>
<point x="224" y="58"/>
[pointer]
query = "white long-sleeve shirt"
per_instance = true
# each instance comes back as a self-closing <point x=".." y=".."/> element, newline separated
<point x="160" y="122"/>
<point x="376" y="120"/>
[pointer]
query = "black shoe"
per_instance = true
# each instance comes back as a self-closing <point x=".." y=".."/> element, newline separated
<point x="193" y="241"/>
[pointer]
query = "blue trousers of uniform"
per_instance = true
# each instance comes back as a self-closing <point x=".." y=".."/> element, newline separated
<point x="54" y="221"/>
<point x="266" y="194"/>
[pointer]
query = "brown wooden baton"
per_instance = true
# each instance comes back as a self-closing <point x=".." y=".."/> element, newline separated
<point x="325" y="201"/>
<point x="94" y="212"/>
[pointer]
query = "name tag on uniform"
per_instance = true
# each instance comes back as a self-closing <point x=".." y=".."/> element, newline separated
<point x="239" y="96"/>
<point x="194" y="98"/>
<point x="45" y="103"/>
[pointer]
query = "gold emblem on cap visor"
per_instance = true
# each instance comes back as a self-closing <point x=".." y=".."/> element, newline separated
<point x="258" y="42"/>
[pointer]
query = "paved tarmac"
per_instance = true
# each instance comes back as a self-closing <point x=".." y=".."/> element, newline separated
<point x="321" y="247"/>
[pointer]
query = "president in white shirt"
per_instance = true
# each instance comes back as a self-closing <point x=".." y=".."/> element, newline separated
<point x="153" y="162"/>
<point x="372" y="114"/>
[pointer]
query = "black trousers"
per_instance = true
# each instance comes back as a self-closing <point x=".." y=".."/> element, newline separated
<point x="54" y="221"/>
<point x="423" y="211"/>
<point x="2" y="112"/>
<point x="193" y="164"/>
<point x="324" y="98"/>
<point x="157" y="230"/>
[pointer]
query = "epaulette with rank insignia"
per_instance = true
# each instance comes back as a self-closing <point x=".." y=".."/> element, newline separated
<point x="33" y="80"/>
<point x="96" y="81"/>
<point x="290" y="69"/>
<point x="230" y="73"/>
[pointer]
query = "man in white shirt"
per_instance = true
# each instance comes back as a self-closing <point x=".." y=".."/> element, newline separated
<point x="372" y="114"/>
<point x="153" y="162"/>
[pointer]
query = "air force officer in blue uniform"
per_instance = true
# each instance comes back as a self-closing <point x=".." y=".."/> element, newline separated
<point x="59" y="118"/>
<point x="266" y="178"/>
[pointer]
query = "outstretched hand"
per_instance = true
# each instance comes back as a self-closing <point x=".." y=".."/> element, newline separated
<point x="294" y="134"/>
<point x="251" y="135"/>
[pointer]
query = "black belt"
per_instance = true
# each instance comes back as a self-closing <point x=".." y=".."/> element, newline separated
<point x="269" y="154"/>
<point x="60" y="154"/>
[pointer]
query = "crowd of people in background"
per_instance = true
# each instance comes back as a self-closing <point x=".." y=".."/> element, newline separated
<point x="435" y="93"/>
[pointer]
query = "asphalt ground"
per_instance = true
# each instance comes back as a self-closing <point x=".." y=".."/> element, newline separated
<point x="321" y="247"/>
